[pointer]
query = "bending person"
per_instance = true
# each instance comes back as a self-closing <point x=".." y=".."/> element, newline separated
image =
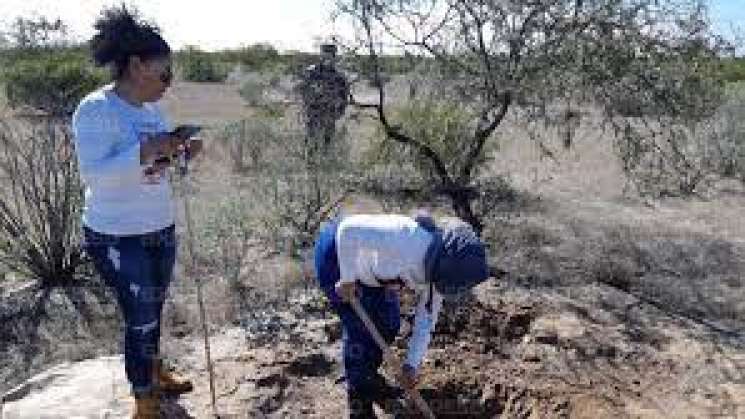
<point x="371" y="257"/>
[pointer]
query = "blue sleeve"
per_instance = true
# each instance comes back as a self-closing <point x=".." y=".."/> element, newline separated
<point x="424" y="325"/>
<point x="108" y="149"/>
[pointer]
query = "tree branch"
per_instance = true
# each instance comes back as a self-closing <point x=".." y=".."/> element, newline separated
<point x="391" y="131"/>
<point x="483" y="133"/>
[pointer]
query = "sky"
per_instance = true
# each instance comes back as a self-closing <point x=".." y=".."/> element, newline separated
<point x="210" y="24"/>
<point x="215" y="24"/>
<point x="726" y="13"/>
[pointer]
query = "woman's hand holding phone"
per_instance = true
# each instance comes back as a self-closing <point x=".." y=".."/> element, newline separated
<point x="162" y="147"/>
<point x="158" y="146"/>
<point x="185" y="132"/>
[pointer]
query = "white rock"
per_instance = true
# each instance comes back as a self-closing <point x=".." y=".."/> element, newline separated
<point x="95" y="388"/>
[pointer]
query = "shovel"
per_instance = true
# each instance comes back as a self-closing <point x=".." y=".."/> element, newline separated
<point x="388" y="354"/>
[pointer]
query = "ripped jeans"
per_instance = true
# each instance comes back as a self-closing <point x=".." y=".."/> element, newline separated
<point x="139" y="268"/>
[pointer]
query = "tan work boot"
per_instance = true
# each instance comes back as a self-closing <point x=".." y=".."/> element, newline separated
<point x="147" y="407"/>
<point x="167" y="382"/>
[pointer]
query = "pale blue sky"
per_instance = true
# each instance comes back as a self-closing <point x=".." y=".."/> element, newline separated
<point x="211" y="24"/>
<point x="726" y="13"/>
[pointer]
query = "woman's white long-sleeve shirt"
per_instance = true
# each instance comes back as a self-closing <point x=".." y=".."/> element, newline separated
<point x="120" y="198"/>
<point x="384" y="247"/>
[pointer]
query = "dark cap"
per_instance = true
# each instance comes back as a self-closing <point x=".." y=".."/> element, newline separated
<point x="328" y="49"/>
<point x="461" y="263"/>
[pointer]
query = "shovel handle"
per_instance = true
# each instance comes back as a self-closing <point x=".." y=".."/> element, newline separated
<point x="413" y="394"/>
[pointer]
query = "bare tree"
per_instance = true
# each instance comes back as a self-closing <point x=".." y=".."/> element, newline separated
<point x="38" y="32"/>
<point x="633" y="59"/>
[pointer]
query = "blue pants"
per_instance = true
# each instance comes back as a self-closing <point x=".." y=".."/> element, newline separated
<point x="139" y="268"/>
<point x="362" y="357"/>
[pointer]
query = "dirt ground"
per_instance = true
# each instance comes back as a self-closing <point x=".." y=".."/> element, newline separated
<point x="508" y="352"/>
<point x="610" y="306"/>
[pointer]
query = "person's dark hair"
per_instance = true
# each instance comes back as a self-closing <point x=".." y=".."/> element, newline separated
<point x="122" y="35"/>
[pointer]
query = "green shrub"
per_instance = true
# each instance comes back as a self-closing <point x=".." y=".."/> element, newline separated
<point x="53" y="83"/>
<point x="253" y="90"/>
<point x="443" y="126"/>
<point x="255" y="57"/>
<point x="733" y="70"/>
<point x="199" y="66"/>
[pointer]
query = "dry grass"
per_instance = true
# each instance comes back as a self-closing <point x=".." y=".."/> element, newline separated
<point x="686" y="254"/>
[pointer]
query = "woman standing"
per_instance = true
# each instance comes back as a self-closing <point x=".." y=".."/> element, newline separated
<point x="123" y="145"/>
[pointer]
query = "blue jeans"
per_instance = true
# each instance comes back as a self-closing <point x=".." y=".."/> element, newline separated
<point x="362" y="357"/>
<point x="139" y="268"/>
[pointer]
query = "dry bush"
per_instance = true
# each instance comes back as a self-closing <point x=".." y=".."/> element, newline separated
<point x="41" y="201"/>
<point x="251" y="228"/>
<point x="676" y="158"/>
<point x="228" y="252"/>
<point x="254" y="299"/>
<point x="245" y="141"/>
<point x="224" y="230"/>
<point x="726" y="130"/>
<point x="298" y="199"/>
<point x="661" y="159"/>
<point x="260" y="89"/>
<point x="253" y="90"/>
<point x="294" y="187"/>
<point x="686" y="274"/>
<point x="691" y="276"/>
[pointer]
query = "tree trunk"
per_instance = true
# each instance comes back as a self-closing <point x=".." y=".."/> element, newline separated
<point x="462" y="202"/>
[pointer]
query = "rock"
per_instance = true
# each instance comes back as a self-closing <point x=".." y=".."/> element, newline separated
<point x="95" y="388"/>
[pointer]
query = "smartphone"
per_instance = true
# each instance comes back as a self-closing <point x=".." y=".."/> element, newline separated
<point x="185" y="132"/>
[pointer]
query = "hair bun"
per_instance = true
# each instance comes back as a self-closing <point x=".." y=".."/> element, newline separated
<point x="121" y="34"/>
<point x="116" y="28"/>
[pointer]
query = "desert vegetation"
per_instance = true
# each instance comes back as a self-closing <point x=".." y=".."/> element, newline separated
<point x="601" y="159"/>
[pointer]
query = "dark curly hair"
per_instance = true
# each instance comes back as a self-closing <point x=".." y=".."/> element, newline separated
<point x="121" y="35"/>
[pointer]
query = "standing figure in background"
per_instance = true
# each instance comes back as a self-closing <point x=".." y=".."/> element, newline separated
<point x="324" y="91"/>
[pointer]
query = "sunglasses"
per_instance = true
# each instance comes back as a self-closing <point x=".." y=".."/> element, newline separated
<point x="166" y="76"/>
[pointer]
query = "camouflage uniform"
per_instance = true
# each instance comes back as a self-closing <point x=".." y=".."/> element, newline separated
<point x="325" y="94"/>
